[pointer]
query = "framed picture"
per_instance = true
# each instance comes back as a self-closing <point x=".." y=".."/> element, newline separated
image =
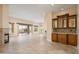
<point x="72" y="21"/>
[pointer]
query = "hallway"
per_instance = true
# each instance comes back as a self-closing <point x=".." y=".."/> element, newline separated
<point x="35" y="45"/>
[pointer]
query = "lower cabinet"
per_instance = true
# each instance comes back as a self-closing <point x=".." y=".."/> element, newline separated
<point x="62" y="38"/>
<point x="72" y="39"/>
<point x="54" y="37"/>
<point x="68" y="39"/>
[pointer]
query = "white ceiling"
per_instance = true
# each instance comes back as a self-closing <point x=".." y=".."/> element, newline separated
<point x="34" y="12"/>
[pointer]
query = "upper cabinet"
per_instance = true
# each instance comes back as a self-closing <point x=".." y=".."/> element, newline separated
<point x="65" y="21"/>
<point x="72" y="21"/>
<point x="62" y="21"/>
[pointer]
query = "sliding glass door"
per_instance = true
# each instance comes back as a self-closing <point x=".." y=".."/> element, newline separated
<point x="24" y="28"/>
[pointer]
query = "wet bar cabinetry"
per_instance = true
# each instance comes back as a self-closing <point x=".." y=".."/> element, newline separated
<point x="72" y="39"/>
<point x="62" y="38"/>
<point x="68" y="39"/>
<point x="54" y="37"/>
<point x="64" y="29"/>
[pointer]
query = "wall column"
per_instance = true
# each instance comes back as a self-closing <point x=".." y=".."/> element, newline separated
<point x="48" y="25"/>
<point x="3" y="23"/>
<point x="78" y="26"/>
<point x="15" y="29"/>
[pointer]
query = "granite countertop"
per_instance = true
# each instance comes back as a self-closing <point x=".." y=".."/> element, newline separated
<point x="63" y="33"/>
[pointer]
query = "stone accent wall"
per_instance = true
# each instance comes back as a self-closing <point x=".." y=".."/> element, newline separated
<point x="2" y="37"/>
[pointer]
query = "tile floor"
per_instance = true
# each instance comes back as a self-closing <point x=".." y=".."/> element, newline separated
<point x="26" y="44"/>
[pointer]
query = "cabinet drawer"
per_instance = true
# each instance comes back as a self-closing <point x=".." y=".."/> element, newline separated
<point x="72" y="39"/>
<point x="62" y="38"/>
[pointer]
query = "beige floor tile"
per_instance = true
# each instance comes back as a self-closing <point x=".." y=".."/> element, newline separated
<point x="38" y="45"/>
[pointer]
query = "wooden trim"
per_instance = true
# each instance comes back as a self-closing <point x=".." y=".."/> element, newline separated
<point x="63" y="15"/>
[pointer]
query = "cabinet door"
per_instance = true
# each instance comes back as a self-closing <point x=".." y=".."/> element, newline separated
<point x="72" y="39"/>
<point x="62" y="21"/>
<point x="62" y="38"/>
<point x="54" y="37"/>
<point x="72" y="21"/>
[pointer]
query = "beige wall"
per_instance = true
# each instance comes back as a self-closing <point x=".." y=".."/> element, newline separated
<point x="3" y="22"/>
<point x="1" y="25"/>
<point x="48" y="25"/>
<point x="0" y="16"/>
<point x="78" y="25"/>
<point x="3" y="16"/>
<point x="50" y="16"/>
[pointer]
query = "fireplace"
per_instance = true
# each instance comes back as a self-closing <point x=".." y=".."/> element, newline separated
<point x="6" y="38"/>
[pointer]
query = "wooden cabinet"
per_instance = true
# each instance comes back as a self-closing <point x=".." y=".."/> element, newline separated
<point x="65" y="21"/>
<point x="63" y="28"/>
<point x="68" y="39"/>
<point x="72" y="39"/>
<point x="54" y="37"/>
<point x="62" y="38"/>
